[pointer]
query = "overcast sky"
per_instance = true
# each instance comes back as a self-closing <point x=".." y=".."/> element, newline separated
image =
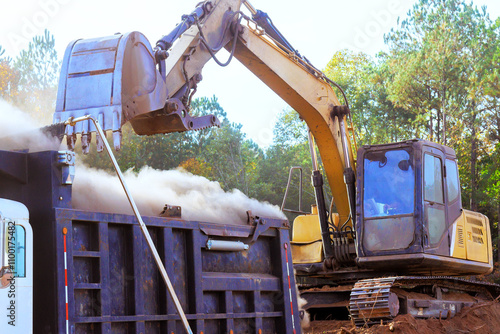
<point x="317" y="28"/>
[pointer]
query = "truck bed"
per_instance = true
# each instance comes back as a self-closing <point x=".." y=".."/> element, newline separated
<point x="115" y="287"/>
<point x="111" y="283"/>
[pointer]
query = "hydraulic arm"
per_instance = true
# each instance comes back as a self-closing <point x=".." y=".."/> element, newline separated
<point x="152" y="88"/>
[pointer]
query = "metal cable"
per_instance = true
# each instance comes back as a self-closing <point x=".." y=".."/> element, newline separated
<point x="212" y="50"/>
<point x="341" y="90"/>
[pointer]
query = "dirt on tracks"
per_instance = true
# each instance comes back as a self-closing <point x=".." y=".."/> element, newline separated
<point x="479" y="319"/>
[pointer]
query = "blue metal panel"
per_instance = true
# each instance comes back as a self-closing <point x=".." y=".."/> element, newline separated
<point x="104" y="268"/>
<point x="193" y="252"/>
<point x="121" y="278"/>
<point x="81" y="87"/>
<point x="14" y="164"/>
<point x="241" y="298"/>
<point x="90" y="62"/>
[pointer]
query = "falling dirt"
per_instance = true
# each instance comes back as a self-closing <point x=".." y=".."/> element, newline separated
<point x="479" y="319"/>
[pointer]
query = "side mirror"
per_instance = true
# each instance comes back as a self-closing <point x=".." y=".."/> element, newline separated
<point x="404" y="165"/>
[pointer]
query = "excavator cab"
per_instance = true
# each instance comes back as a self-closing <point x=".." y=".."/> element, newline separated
<point x="409" y="212"/>
<point x="409" y="217"/>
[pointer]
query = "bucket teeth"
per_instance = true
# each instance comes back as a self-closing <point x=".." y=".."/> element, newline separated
<point x="117" y="140"/>
<point x="99" y="143"/>
<point x="86" y="140"/>
<point x="71" y="140"/>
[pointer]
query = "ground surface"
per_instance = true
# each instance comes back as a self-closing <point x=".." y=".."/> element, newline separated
<point x="479" y="319"/>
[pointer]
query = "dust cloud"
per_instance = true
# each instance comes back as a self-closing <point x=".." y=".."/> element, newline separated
<point x="19" y="132"/>
<point x="199" y="198"/>
<point x="97" y="190"/>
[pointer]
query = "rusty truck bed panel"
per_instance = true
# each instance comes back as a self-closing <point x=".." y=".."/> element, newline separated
<point x="114" y="285"/>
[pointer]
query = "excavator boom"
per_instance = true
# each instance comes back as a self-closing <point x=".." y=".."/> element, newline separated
<point x="121" y="78"/>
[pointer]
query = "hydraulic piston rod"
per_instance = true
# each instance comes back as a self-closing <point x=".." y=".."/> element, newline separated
<point x="317" y="180"/>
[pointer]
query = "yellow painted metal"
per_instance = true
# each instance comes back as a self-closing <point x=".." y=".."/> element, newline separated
<point x="306" y="229"/>
<point x="189" y="56"/>
<point x="457" y="247"/>
<point x="307" y="245"/>
<point x="308" y="253"/>
<point x="308" y="94"/>
<point x="477" y="237"/>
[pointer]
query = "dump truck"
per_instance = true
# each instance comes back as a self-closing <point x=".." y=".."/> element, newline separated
<point x="399" y="241"/>
<point x="71" y="271"/>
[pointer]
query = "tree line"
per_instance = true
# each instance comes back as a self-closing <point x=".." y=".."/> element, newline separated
<point x="437" y="79"/>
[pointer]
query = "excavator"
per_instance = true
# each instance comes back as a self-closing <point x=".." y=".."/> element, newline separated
<point x="399" y="241"/>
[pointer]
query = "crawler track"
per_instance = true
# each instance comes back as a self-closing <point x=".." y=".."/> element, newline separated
<point x="379" y="300"/>
<point x="372" y="301"/>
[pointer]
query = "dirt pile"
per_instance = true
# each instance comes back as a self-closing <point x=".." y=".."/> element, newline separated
<point x="479" y="319"/>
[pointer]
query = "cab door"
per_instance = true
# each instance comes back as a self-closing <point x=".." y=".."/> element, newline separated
<point x="436" y="236"/>
<point x="16" y="269"/>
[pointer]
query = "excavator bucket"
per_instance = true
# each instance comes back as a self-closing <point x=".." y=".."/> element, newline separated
<point x="115" y="80"/>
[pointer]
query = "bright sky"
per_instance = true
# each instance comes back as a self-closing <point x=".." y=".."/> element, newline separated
<point x="317" y="28"/>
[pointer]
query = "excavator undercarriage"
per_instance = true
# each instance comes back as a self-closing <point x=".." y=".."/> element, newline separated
<point x="375" y="300"/>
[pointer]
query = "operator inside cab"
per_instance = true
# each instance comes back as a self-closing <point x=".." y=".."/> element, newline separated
<point x="389" y="184"/>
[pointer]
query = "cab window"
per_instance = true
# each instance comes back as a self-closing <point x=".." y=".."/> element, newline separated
<point x="433" y="195"/>
<point x="452" y="182"/>
<point x="433" y="180"/>
<point x="389" y="183"/>
<point x="14" y="249"/>
<point x="20" y="249"/>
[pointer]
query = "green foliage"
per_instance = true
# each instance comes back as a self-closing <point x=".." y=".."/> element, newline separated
<point x="376" y="118"/>
<point x="289" y="130"/>
<point x="442" y="69"/>
<point x="389" y="123"/>
<point x="290" y="148"/>
<point x="38" y="69"/>
<point x="230" y="157"/>
<point x="353" y="71"/>
<point x="437" y="61"/>
<point x="39" y="64"/>
<point x="9" y="79"/>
